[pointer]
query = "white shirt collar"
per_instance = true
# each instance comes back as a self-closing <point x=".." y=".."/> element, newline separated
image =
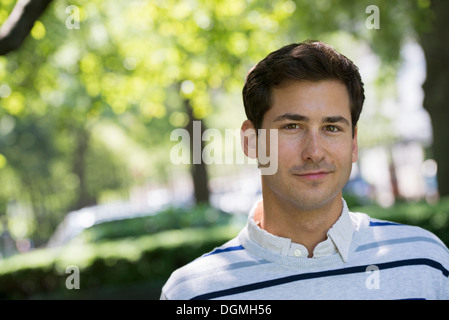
<point x="338" y="240"/>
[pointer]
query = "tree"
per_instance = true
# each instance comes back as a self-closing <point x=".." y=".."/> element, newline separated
<point x="436" y="50"/>
<point x="127" y="63"/>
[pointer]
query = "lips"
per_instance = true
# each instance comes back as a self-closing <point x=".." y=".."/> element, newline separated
<point x="315" y="175"/>
<point x="313" y="172"/>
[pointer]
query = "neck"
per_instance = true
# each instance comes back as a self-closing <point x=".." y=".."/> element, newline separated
<point x="304" y="226"/>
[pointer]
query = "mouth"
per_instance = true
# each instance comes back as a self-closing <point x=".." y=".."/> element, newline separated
<point x="313" y="175"/>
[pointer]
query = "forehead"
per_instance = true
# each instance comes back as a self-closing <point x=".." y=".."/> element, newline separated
<point x="311" y="99"/>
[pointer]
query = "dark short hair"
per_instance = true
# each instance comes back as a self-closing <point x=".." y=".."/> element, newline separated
<point x="305" y="61"/>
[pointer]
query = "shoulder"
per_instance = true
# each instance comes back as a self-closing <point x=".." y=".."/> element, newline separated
<point x="404" y="240"/>
<point x="201" y="274"/>
<point x="405" y="251"/>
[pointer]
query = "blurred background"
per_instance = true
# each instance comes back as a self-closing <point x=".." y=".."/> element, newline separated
<point x="91" y="92"/>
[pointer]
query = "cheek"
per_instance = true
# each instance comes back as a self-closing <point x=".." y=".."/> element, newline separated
<point x="340" y="155"/>
<point x="288" y="151"/>
<point x="348" y="158"/>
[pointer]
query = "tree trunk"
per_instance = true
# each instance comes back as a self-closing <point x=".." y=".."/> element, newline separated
<point x="79" y="169"/>
<point x="19" y="23"/>
<point x="198" y="170"/>
<point x="436" y="89"/>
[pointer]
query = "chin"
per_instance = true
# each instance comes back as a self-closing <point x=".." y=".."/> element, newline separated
<point x="313" y="201"/>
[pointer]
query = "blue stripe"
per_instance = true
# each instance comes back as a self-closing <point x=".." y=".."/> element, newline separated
<point x="235" y="248"/>
<point x="398" y="241"/>
<point x="321" y="274"/>
<point x="382" y="223"/>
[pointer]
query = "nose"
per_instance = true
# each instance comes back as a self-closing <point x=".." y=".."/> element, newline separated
<point x="312" y="149"/>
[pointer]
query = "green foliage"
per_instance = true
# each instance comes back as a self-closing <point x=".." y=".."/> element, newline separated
<point x="149" y="258"/>
<point x="90" y="110"/>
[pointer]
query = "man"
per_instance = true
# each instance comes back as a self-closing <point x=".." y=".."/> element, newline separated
<point x="301" y="241"/>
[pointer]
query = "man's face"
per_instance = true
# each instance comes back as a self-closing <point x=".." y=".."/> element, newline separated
<point x="316" y="147"/>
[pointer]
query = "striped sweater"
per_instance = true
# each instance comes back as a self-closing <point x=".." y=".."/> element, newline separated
<point x="362" y="258"/>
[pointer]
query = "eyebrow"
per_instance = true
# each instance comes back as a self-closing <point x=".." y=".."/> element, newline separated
<point x="337" y="119"/>
<point x="299" y="117"/>
<point x="291" y="116"/>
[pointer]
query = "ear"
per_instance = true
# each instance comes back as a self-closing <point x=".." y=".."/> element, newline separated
<point x="355" y="147"/>
<point x="249" y="139"/>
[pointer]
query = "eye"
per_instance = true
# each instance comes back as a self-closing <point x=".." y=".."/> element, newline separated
<point x="291" y="126"/>
<point x="332" y="128"/>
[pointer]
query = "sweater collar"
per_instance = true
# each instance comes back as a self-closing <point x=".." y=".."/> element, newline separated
<point x="338" y="239"/>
